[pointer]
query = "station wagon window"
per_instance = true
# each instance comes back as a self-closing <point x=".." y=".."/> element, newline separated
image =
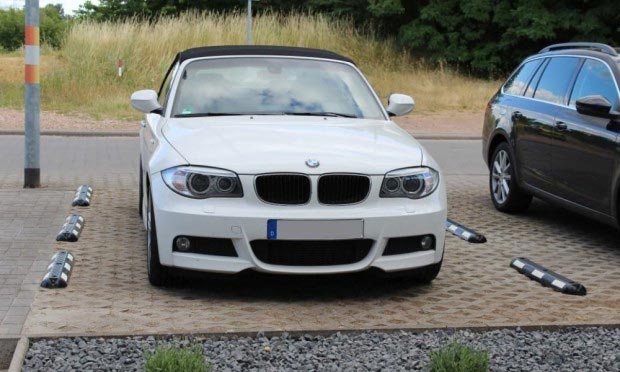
<point x="273" y="86"/>
<point x="594" y="79"/>
<point x="529" y="92"/>
<point x="554" y="83"/>
<point x="517" y="83"/>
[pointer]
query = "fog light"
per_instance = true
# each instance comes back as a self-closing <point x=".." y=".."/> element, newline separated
<point x="427" y="242"/>
<point x="183" y="244"/>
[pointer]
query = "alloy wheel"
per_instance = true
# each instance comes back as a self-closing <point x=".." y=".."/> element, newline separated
<point x="500" y="181"/>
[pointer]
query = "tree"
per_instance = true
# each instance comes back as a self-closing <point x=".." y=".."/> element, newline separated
<point x="490" y="37"/>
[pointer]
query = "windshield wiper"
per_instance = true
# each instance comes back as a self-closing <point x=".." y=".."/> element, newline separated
<point x="332" y="114"/>
<point x="202" y="114"/>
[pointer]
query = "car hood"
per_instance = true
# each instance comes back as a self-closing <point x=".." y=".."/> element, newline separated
<point x="264" y="144"/>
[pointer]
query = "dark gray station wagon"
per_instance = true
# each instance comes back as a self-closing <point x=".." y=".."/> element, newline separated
<point x="552" y="131"/>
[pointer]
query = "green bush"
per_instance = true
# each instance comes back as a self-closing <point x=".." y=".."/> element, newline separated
<point x="168" y="359"/>
<point x="11" y="29"/>
<point x="456" y="357"/>
<point x="52" y="27"/>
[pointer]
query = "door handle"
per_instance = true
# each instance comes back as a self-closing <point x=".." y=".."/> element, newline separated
<point x="560" y="125"/>
<point x="143" y="123"/>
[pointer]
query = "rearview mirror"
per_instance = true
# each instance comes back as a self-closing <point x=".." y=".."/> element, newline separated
<point x="145" y="101"/>
<point x="595" y="106"/>
<point x="399" y="104"/>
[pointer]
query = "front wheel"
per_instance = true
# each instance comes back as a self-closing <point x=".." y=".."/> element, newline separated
<point x="158" y="274"/>
<point x="506" y="194"/>
<point x="141" y="191"/>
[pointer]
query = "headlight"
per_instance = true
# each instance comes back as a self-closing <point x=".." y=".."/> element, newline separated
<point x="412" y="183"/>
<point x="203" y="182"/>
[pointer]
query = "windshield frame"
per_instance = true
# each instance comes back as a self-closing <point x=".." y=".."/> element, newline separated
<point x="181" y="68"/>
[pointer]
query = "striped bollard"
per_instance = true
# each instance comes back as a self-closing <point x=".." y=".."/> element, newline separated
<point x="32" y="170"/>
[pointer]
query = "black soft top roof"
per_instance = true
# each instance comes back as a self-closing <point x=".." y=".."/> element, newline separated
<point x="262" y="50"/>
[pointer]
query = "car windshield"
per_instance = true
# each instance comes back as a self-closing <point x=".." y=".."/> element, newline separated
<point x="273" y="86"/>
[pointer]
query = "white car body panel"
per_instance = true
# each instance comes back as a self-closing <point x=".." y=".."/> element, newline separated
<point x="253" y="145"/>
<point x="265" y="144"/>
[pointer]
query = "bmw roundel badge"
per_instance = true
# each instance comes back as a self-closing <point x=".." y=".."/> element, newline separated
<point x="312" y="163"/>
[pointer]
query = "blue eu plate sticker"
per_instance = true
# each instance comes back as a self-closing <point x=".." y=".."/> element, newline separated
<point x="272" y="229"/>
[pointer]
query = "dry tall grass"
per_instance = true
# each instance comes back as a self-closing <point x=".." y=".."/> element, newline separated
<point x="83" y="77"/>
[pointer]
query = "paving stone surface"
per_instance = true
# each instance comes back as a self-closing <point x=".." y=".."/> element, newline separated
<point x="29" y="222"/>
<point x="109" y="293"/>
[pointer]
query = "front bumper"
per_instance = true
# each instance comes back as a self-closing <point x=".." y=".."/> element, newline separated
<point x="245" y="219"/>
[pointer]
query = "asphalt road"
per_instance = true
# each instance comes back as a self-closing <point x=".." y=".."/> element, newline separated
<point x="97" y="155"/>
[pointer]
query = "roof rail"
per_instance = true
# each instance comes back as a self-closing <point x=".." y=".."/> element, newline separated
<point x="592" y="46"/>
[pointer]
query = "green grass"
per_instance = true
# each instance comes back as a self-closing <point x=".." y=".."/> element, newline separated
<point x="456" y="357"/>
<point x="167" y="359"/>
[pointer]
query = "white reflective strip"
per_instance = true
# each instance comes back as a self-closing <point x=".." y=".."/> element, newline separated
<point x="32" y="54"/>
<point x="70" y="256"/>
<point x="67" y="266"/>
<point x="558" y="283"/>
<point x="466" y="235"/>
<point x="75" y="232"/>
<point x="453" y="228"/>
<point x="81" y="219"/>
<point x="78" y="225"/>
<point x="518" y="264"/>
<point x="46" y="276"/>
<point x="64" y="276"/>
<point x="538" y="274"/>
<point x="88" y="194"/>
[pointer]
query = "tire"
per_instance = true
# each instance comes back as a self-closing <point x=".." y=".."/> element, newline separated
<point x="158" y="275"/>
<point x="506" y="194"/>
<point x="422" y="275"/>
<point x="141" y="191"/>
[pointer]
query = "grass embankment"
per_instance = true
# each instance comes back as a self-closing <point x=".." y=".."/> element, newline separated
<point x="81" y="76"/>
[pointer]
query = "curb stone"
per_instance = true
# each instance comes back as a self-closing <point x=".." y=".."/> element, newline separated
<point x="19" y="355"/>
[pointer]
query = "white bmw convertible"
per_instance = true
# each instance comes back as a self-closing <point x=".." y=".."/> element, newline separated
<point x="283" y="160"/>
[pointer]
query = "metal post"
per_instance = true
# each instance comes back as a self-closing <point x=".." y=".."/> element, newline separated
<point x="32" y="171"/>
<point x="249" y="25"/>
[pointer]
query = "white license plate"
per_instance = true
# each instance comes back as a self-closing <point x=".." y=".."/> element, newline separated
<point x="314" y="229"/>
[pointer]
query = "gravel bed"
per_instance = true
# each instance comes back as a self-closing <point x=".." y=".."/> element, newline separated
<point x="569" y="349"/>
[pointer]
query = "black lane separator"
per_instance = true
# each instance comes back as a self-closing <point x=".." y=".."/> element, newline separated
<point x="59" y="271"/>
<point x="464" y="233"/>
<point x="82" y="196"/>
<point x="546" y="277"/>
<point x="71" y="229"/>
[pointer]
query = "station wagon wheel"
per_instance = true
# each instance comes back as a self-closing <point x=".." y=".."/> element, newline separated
<point x="500" y="181"/>
<point x="506" y="194"/>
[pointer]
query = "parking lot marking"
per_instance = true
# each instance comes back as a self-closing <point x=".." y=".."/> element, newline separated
<point x="464" y="233"/>
<point x="547" y="277"/>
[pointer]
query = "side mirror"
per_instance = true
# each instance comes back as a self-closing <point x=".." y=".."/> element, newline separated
<point x="595" y="106"/>
<point x="145" y="101"/>
<point x="399" y="104"/>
